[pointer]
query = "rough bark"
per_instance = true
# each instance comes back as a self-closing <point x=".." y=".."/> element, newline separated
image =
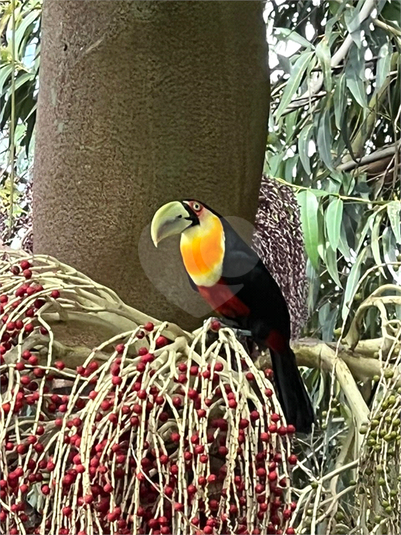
<point x="141" y="103"/>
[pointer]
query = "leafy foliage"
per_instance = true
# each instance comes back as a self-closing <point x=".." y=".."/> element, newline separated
<point x="335" y="136"/>
<point x="19" y="54"/>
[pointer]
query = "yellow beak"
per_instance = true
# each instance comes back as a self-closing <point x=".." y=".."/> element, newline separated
<point x="170" y="219"/>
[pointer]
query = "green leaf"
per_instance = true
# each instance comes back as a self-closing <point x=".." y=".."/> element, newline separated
<point x="394" y="213"/>
<point x="309" y="206"/>
<point x="333" y="220"/>
<point x="331" y="264"/>
<point x="383" y="66"/>
<point x="273" y="165"/>
<point x="329" y="324"/>
<point x="343" y="245"/>
<point x="294" y="81"/>
<point x="390" y="254"/>
<point x="324" y="57"/>
<point x="324" y="139"/>
<point x="291" y="35"/>
<point x="352" y="283"/>
<point x="358" y="90"/>
<point x="364" y="231"/>
<point x="5" y="72"/>
<point x="376" y="236"/>
<point x="355" y="76"/>
<point x="340" y="100"/>
<point x="29" y="19"/>
<point x="303" y="146"/>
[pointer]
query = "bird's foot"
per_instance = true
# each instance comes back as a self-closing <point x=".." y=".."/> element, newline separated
<point x="217" y="323"/>
<point x="241" y="332"/>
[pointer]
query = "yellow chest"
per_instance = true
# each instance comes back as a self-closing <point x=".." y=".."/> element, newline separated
<point x="202" y="250"/>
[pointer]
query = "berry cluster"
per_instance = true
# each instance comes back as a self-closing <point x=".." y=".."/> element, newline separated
<point x="147" y="435"/>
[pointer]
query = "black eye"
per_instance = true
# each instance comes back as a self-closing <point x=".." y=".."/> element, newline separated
<point x="196" y="206"/>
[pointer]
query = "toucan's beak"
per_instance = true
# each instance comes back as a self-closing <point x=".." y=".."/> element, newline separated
<point x="170" y="219"/>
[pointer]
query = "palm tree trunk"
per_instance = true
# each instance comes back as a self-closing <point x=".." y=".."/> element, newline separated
<point x="142" y="102"/>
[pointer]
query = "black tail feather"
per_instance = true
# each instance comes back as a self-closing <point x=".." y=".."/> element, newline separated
<point x="292" y="393"/>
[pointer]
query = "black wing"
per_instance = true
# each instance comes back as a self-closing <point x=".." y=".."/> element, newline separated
<point x="254" y="286"/>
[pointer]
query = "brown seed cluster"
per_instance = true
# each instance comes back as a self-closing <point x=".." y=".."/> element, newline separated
<point x="150" y="433"/>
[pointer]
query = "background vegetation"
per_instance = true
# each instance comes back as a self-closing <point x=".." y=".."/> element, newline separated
<point x="334" y="137"/>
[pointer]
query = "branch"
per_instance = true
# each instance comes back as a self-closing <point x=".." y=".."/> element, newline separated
<point x="375" y="156"/>
<point x="317" y="354"/>
<point x="338" y="57"/>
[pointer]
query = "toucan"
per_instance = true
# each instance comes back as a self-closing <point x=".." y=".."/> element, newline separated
<point x="230" y="276"/>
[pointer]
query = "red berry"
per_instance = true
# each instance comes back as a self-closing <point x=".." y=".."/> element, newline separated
<point x="223" y="451"/>
<point x="45" y="489"/>
<point x="292" y="459"/>
<point x="25" y="264"/>
<point x="177" y="402"/>
<point x="161" y="341"/>
<point x="215" y="325"/>
<point x="192" y="393"/>
<point x="175" y="437"/>
<point x="243" y="423"/>
<point x="191" y="489"/>
<point x="149" y="326"/>
<point x="28" y="328"/>
<point x="27" y="273"/>
<point x="116" y="380"/>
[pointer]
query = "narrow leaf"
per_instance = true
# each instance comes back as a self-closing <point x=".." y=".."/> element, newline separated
<point x="333" y="220"/>
<point x="292" y="35"/>
<point x="358" y="90"/>
<point x="29" y="19"/>
<point x="324" y="57"/>
<point x="309" y="206"/>
<point x="343" y="245"/>
<point x="5" y="72"/>
<point x="352" y="283"/>
<point x="376" y="236"/>
<point x="394" y="213"/>
<point x="294" y="81"/>
<point x="303" y="146"/>
<point x="324" y="139"/>
<point x="331" y="264"/>
<point x="340" y="98"/>
<point x="383" y="66"/>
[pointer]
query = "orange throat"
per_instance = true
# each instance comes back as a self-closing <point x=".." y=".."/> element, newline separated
<point x="202" y="250"/>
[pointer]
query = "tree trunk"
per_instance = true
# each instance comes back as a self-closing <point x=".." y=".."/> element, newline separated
<point x="140" y="103"/>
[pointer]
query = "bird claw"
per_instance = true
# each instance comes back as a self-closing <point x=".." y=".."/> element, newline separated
<point x="241" y="332"/>
<point x="238" y="332"/>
